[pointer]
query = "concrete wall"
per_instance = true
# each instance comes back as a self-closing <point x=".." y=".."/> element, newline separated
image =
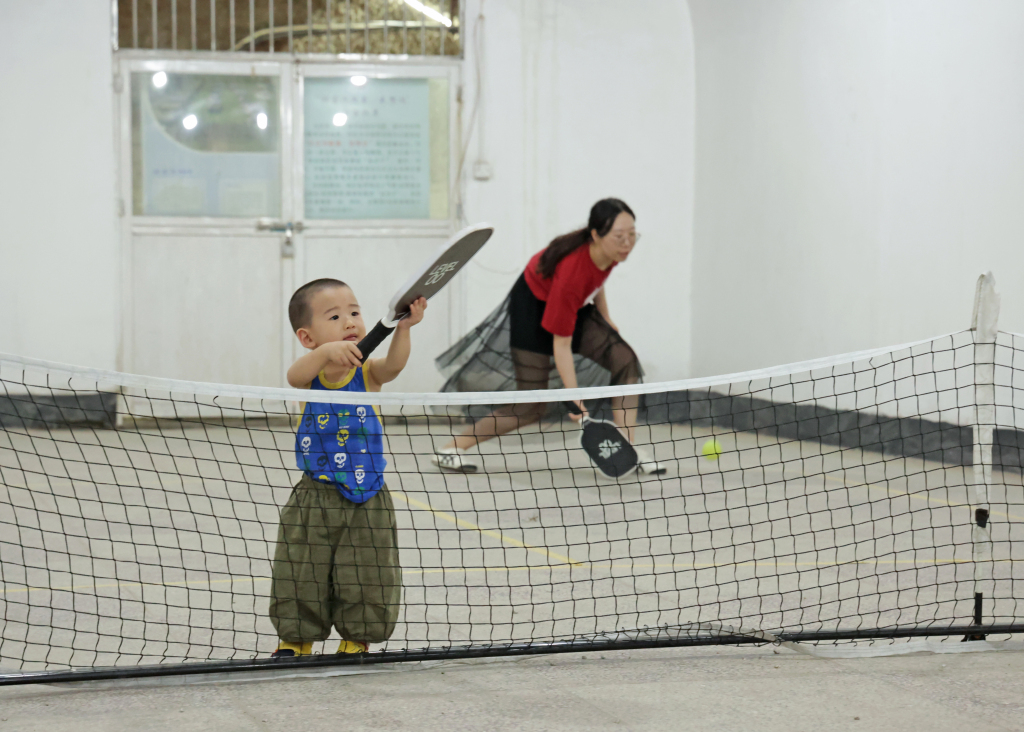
<point x="582" y="100"/>
<point x="859" y="162"/>
<point x="59" y="281"/>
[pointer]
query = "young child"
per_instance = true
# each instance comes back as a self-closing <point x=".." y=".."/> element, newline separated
<point x="336" y="561"/>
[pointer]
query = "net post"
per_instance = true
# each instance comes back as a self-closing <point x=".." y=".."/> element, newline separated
<point x="984" y="325"/>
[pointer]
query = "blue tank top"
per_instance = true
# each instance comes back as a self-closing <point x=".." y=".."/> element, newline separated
<point x="340" y="443"/>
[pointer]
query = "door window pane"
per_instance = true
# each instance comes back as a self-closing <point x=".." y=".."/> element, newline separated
<point x="205" y="145"/>
<point x="376" y="148"/>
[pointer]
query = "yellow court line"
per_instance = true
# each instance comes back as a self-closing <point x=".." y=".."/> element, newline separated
<point x="423" y="505"/>
<point x="563" y="560"/>
<point x="598" y="565"/>
<point x="111" y="585"/>
<point x="706" y="565"/>
<point x="711" y="565"/>
<point x="918" y="497"/>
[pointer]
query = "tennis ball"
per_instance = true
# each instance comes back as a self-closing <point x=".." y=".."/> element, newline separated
<point x="712" y="449"/>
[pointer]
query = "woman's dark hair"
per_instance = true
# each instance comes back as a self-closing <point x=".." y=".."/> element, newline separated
<point x="602" y="217"/>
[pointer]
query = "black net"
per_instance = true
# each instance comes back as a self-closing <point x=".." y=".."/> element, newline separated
<point x="873" y="496"/>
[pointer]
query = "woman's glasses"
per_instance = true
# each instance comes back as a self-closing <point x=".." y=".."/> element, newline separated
<point x="631" y="237"/>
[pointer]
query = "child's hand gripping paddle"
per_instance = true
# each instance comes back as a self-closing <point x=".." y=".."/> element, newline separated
<point x="607" y="447"/>
<point x="427" y="281"/>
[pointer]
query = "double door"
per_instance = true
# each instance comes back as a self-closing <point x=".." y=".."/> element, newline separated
<point x="240" y="181"/>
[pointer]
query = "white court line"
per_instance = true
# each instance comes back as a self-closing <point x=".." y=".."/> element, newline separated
<point x="919" y="497"/>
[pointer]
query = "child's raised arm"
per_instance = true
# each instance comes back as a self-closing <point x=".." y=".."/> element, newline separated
<point x="383" y="370"/>
<point x="304" y="370"/>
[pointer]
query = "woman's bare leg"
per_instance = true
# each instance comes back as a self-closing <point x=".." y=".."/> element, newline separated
<point x="532" y="373"/>
<point x="499" y="422"/>
<point x="624" y="415"/>
<point x="602" y="344"/>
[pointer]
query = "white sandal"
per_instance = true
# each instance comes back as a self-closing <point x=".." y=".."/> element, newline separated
<point x="453" y="460"/>
<point x="647" y="465"/>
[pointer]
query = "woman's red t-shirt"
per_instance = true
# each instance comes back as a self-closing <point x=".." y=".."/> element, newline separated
<point x="575" y="281"/>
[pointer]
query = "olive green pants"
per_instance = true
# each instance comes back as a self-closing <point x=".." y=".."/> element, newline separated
<point x="336" y="564"/>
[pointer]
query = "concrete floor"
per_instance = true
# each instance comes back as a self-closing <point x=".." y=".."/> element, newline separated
<point x="890" y="524"/>
<point x="692" y="689"/>
<point x="119" y="566"/>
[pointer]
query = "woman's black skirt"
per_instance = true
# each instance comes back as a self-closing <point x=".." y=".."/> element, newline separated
<point x="510" y="350"/>
<point x="525" y="314"/>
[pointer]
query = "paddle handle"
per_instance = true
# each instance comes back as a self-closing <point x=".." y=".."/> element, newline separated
<point x="374" y="338"/>
<point x="573" y="407"/>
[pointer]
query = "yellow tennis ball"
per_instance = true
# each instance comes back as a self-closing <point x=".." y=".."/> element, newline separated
<point x="712" y="449"/>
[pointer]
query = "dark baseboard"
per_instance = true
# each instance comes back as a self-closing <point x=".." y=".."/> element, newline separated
<point x="33" y="411"/>
<point x="891" y="437"/>
<point x="1008" y="450"/>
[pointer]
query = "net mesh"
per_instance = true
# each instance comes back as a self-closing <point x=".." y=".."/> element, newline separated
<point x="872" y="495"/>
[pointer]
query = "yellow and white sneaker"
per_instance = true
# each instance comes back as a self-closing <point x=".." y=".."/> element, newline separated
<point x="291" y="650"/>
<point x="348" y="646"/>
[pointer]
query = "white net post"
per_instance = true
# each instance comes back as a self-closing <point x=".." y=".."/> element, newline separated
<point x="985" y="326"/>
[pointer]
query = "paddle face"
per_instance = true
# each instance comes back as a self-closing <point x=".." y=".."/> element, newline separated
<point x="606" y="446"/>
<point x="440" y="269"/>
<point x="427" y="281"/>
<point x="610" y="452"/>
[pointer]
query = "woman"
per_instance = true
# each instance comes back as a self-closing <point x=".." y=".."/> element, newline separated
<point x="557" y="309"/>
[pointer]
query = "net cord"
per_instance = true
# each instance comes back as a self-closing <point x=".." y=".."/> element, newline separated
<point x="151" y="383"/>
<point x="622" y="642"/>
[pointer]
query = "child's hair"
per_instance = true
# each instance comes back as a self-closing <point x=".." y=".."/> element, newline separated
<point x="299" y="312"/>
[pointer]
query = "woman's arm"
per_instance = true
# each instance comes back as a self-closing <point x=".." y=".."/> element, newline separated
<point x="601" y="303"/>
<point x="567" y="368"/>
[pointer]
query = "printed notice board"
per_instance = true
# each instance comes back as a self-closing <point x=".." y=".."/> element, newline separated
<point x="367" y="149"/>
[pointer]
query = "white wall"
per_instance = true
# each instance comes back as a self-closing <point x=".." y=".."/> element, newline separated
<point x="58" y="239"/>
<point x="581" y="101"/>
<point x="584" y="99"/>
<point x="859" y="162"/>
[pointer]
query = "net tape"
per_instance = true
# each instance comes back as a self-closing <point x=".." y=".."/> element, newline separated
<point x="55" y="372"/>
<point x="139" y="516"/>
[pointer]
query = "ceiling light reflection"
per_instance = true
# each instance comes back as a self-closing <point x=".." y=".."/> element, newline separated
<point x="429" y="12"/>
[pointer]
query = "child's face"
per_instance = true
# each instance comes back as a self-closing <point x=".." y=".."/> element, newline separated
<point x="336" y="317"/>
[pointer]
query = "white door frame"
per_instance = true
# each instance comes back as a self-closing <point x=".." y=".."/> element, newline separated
<point x="290" y="71"/>
<point x="132" y="225"/>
